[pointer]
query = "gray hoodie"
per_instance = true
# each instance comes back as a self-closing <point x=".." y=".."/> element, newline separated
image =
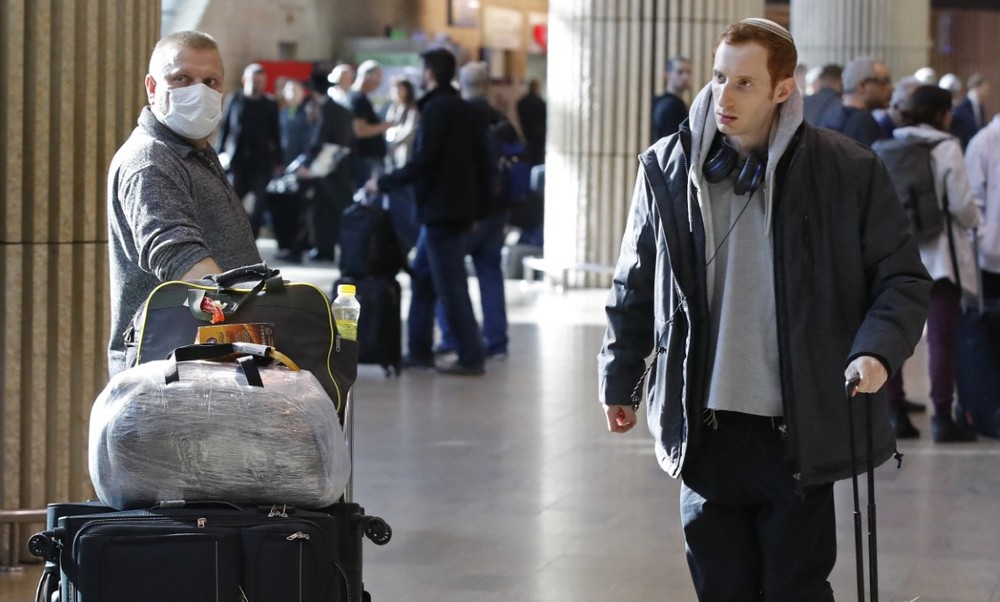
<point x="743" y="342"/>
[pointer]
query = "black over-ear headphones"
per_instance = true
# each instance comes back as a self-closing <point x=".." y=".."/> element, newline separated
<point x="723" y="159"/>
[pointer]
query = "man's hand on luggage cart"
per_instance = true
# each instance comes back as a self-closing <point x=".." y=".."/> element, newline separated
<point x="621" y="419"/>
<point x="870" y="373"/>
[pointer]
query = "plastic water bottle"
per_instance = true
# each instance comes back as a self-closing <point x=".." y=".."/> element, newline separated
<point x="346" y="310"/>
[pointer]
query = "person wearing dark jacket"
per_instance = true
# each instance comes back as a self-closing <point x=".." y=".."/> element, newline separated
<point x="450" y="172"/>
<point x="249" y="141"/>
<point x="867" y="86"/>
<point x="325" y="172"/>
<point x="765" y="262"/>
<point x="532" y="113"/>
<point x="827" y="97"/>
<point x="968" y="116"/>
<point x="484" y="243"/>
<point x="669" y="109"/>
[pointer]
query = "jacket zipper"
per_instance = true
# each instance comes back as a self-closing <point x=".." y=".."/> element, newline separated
<point x="693" y="419"/>
<point x="789" y="437"/>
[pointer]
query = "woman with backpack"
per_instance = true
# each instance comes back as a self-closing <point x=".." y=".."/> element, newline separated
<point x="948" y="257"/>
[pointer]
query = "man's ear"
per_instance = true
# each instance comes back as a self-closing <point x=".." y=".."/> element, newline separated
<point x="783" y="90"/>
<point x="150" y="88"/>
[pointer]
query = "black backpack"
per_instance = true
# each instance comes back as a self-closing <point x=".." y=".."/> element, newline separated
<point x="909" y="163"/>
<point x="368" y="242"/>
<point x="505" y="152"/>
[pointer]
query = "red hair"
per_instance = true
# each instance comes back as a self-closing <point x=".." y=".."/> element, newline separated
<point x="782" y="57"/>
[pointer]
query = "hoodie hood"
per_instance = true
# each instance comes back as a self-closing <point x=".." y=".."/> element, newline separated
<point x="703" y="129"/>
<point x="922" y="131"/>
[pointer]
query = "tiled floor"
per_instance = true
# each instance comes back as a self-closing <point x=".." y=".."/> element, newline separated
<point x="508" y="487"/>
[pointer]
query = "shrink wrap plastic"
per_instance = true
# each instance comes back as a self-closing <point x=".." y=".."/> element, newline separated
<point x="213" y="437"/>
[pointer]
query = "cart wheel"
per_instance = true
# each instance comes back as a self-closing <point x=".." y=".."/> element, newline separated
<point x="378" y="531"/>
<point x="44" y="545"/>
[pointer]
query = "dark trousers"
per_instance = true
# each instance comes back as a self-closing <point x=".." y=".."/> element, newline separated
<point x="438" y="273"/>
<point x="991" y="285"/>
<point x="286" y="218"/>
<point x="752" y="532"/>
<point x="942" y="327"/>
<point x="485" y="245"/>
<point x="326" y="199"/>
<point x="255" y="181"/>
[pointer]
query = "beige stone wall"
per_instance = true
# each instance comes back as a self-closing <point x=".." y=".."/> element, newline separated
<point x="895" y="31"/>
<point x="433" y="19"/>
<point x="604" y="67"/>
<point x="71" y="76"/>
<point x="249" y="31"/>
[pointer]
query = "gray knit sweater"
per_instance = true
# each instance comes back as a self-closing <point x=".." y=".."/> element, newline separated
<point x="169" y="207"/>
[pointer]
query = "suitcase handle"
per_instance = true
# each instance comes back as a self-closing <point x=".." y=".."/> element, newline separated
<point x="850" y="389"/>
<point x="210" y="351"/>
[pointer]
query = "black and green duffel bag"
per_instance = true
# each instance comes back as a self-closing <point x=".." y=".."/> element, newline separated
<point x="295" y="315"/>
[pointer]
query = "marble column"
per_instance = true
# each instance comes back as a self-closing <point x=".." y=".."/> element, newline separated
<point x="836" y="31"/>
<point x="71" y="89"/>
<point x="604" y="67"/>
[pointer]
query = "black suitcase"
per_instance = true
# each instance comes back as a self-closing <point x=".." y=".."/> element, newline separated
<point x="978" y="369"/>
<point x="206" y="552"/>
<point x="368" y="242"/>
<point x="380" y="326"/>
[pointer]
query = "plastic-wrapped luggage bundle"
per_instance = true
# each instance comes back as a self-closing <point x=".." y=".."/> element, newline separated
<point x="212" y="436"/>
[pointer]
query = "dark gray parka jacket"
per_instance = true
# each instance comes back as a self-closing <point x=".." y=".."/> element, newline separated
<point x="848" y="282"/>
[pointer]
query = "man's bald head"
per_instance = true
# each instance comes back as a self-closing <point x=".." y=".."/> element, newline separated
<point x="167" y="47"/>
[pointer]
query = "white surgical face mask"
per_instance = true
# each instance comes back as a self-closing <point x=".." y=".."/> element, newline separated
<point x="193" y="111"/>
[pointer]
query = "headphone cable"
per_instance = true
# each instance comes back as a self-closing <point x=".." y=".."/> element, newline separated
<point x="731" y="228"/>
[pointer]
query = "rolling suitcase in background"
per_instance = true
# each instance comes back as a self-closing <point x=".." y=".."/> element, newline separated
<point x="370" y="258"/>
<point x="977" y="369"/>
<point x="380" y="326"/>
<point x="368" y="242"/>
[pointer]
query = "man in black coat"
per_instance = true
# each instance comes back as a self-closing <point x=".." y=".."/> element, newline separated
<point x="764" y="263"/>
<point x="532" y="113"/>
<point x="669" y="109"/>
<point x="249" y="141"/>
<point x="450" y="172"/>
<point x="969" y="116"/>
<point x="867" y="86"/>
<point x="827" y="96"/>
<point x="325" y="172"/>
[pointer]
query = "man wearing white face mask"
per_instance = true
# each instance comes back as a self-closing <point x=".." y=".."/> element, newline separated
<point x="172" y="214"/>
